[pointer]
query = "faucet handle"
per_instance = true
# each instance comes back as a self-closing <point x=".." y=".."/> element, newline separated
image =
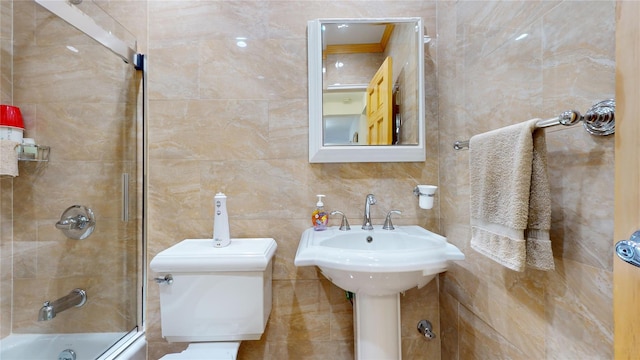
<point x="388" y="225"/>
<point x="344" y="224"/>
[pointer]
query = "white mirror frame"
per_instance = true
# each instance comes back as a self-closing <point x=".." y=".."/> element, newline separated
<point x="318" y="152"/>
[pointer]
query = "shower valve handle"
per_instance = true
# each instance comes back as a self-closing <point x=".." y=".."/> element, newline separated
<point x="70" y="223"/>
<point x="77" y="222"/>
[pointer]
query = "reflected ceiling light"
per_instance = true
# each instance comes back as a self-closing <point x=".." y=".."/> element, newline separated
<point x="343" y="26"/>
<point x="241" y="42"/>
<point x="72" y="49"/>
<point x="339" y="64"/>
<point x="522" y="36"/>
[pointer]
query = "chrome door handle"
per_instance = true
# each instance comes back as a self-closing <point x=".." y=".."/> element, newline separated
<point x="629" y="250"/>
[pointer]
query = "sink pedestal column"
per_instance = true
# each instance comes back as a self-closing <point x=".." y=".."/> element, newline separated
<point x="376" y="321"/>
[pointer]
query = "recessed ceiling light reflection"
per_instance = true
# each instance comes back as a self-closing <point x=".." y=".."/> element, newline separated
<point x="241" y="42"/>
<point x="72" y="49"/>
<point x="339" y="64"/>
<point x="522" y="36"/>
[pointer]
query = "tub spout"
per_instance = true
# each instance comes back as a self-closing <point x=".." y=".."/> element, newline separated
<point x="46" y="312"/>
<point x="49" y="310"/>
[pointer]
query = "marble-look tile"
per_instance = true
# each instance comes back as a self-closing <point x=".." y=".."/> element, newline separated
<point x="484" y="81"/>
<point x="578" y="70"/>
<point x="209" y="130"/>
<point x="173" y="71"/>
<point x="6" y="20"/>
<point x="300" y="312"/>
<point x="418" y="304"/>
<point x="6" y="71"/>
<point x="479" y="341"/>
<point x="6" y="255"/>
<point x="310" y="349"/>
<point x="448" y="325"/>
<point x="197" y="20"/>
<point x="488" y="80"/>
<point x="133" y="20"/>
<point x="92" y="67"/>
<point x="23" y="21"/>
<point x="282" y="25"/>
<point x="288" y="129"/>
<point x="578" y="166"/>
<point x="265" y="69"/>
<point x="579" y="306"/>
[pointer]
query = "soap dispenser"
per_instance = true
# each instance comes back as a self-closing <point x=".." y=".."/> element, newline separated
<point x="319" y="217"/>
<point x="221" y="237"/>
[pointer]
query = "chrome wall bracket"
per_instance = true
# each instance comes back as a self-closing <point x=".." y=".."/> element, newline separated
<point x="600" y="118"/>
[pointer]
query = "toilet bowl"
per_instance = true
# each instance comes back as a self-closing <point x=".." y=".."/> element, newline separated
<point x="212" y="297"/>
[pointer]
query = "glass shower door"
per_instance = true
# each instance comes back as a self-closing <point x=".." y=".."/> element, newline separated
<point x="85" y="103"/>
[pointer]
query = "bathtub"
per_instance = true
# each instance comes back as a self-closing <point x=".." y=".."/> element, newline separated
<point x="90" y="346"/>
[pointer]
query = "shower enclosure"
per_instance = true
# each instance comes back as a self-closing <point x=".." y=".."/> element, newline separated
<point x="82" y="96"/>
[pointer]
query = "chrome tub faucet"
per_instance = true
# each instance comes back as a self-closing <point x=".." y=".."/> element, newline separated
<point x="366" y="223"/>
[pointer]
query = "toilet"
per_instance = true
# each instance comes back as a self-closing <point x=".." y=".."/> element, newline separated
<point x="213" y="298"/>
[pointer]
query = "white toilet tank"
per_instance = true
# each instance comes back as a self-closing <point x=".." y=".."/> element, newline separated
<point x="217" y="294"/>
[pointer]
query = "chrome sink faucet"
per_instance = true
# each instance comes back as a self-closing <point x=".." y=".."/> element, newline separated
<point x="366" y="223"/>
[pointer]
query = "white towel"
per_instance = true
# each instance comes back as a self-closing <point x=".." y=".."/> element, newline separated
<point x="8" y="158"/>
<point x="510" y="197"/>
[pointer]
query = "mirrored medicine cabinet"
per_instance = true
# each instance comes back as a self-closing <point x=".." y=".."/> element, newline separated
<point x="366" y="90"/>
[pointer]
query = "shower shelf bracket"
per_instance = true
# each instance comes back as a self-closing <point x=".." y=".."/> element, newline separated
<point x="32" y="152"/>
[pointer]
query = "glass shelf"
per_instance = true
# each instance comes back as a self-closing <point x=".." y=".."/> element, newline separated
<point x="32" y="152"/>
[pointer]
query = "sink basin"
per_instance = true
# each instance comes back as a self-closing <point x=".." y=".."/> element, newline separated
<point x="377" y="262"/>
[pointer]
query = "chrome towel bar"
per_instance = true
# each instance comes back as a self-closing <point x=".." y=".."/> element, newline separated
<point x="599" y="120"/>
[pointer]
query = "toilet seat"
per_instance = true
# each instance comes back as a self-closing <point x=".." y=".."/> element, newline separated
<point x="207" y="351"/>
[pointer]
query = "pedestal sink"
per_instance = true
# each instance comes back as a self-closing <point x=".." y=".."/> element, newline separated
<point x="377" y="265"/>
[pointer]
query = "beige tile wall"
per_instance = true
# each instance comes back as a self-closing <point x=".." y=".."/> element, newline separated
<point x="224" y="118"/>
<point x="234" y="120"/>
<point x="487" y="79"/>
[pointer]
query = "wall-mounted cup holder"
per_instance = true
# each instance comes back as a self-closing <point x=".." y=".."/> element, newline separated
<point x="425" y="194"/>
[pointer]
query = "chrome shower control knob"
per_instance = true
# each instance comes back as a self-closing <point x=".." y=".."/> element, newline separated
<point x="77" y="222"/>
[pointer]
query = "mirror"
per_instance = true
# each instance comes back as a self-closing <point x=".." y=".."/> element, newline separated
<point x="366" y="90"/>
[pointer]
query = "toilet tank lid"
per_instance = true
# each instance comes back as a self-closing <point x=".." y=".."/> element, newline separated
<point x="198" y="255"/>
